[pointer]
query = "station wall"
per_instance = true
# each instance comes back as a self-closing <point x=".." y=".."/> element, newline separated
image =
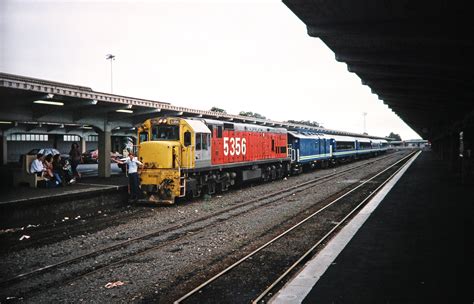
<point x="18" y="144"/>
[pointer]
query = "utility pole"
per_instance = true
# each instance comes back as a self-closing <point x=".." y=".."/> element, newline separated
<point x="364" y="114"/>
<point x="111" y="58"/>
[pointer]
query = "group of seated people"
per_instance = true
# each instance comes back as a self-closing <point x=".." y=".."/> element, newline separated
<point x="53" y="169"/>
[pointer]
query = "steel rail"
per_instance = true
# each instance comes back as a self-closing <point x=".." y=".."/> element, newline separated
<point x="329" y="233"/>
<point x="289" y="191"/>
<point x="229" y="268"/>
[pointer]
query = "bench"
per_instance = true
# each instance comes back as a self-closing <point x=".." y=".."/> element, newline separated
<point x="24" y="176"/>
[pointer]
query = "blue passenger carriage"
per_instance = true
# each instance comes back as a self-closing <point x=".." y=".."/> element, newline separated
<point x="309" y="149"/>
<point x="344" y="148"/>
<point x="364" y="147"/>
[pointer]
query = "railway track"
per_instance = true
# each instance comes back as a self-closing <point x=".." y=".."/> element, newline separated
<point x="122" y="252"/>
<point x="50" y="233"/>
<point x="256" y="275"/>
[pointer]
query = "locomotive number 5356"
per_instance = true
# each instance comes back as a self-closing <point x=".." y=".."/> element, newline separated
<point x="235" y="146"/>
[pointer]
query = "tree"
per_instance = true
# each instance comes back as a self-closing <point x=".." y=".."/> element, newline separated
<point x="216" y="109"/>
<point x="252" y="114"/>
<point x="395" y="136"/>
<point x="306" y="123"/>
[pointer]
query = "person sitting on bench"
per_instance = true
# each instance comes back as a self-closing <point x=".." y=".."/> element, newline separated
<point x="37" y="166"/>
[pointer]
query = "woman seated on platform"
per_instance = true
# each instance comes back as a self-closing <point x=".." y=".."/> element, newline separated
<point x="61" y="170"/>
<point x="48" y="166"/>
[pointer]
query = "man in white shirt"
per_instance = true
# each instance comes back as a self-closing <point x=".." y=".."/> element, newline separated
<point x="36" y="166"/>
<point x="132" y="163"/>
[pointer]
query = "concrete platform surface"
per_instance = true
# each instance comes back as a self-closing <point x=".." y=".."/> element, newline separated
<point x="414" y="248"/>
<point x="25" y="193"/>
<point x="24" y="205"/>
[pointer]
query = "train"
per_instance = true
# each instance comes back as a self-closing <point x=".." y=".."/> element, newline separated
<point x="190" y="156"/>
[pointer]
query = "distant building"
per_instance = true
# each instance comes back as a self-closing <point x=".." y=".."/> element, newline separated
<point x="410" y="143"/>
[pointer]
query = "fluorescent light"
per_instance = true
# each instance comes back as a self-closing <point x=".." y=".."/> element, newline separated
<point x="5" y="122"/>
<point x="87" y="127"/>
<point x="124" y="111"/>
<point x="52" y="103"/>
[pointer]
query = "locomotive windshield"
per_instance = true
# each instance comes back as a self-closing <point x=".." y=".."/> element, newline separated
<point x="143" y="136"/>
<point x="165" y="132"/>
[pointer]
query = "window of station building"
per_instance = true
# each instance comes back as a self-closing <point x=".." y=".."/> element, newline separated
<point x="92" y="138"/>
<point x="71" y="138"/>
<point x="27" y="137"/>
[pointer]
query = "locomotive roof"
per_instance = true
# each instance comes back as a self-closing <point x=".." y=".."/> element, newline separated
<point x="309" y="135"/>
<point x="198" y="126"/>
<point x="342" y="138"/>
<point x="363" y="139"/>
<point x="241" y="126"/>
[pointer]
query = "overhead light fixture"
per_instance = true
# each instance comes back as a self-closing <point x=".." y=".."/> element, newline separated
<point x="62" y="126"/>
<point x="5" y="122"/>
<point x="94" y="102"/>
<point x="87" y="127"/>
<point x="51" y="103"/>
<point x="129" y="106"/>
<point x="124" y="111"/>
<point x="50" y="96"/>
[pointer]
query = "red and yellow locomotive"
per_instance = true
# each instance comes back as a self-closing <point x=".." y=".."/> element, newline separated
<point x="186" y="156"/>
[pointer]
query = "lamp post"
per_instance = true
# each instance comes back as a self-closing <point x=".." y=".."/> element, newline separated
<point x="111" y="58"/>
<point x="364" y="114"/>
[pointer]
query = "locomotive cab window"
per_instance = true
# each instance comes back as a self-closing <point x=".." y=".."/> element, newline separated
<point x="202" y="141"/>
<point x="143" y="136"/>
<point x="165" y="132"/>
<point x="187" y="139"/>
<point x="205" y="141"/>
<point x="198" y="141"/>
<point x="219" y="131"/>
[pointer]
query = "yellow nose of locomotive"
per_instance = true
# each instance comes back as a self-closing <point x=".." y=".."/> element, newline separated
<point x="159" y="154"/>
<point x="160" y="177"/>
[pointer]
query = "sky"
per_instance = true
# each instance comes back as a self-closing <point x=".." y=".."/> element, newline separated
<point x="236" y="55"/>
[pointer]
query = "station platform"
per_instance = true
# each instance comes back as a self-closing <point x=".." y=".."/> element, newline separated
<point x="414" y="247"/>
<point x="24" y="205"/>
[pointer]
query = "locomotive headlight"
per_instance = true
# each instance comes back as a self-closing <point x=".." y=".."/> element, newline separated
<point x="160" y="121"/>
<point x="164" y="120"/>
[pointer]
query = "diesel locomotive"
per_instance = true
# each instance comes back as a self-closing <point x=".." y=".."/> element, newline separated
<point x="190" y="156"/>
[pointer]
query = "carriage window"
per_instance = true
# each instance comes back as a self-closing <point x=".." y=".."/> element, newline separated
<point x="187" y="139"/>
<point x="165" y="132"/>
<point x="345" y="145"/>
<point x="219" y="132"/>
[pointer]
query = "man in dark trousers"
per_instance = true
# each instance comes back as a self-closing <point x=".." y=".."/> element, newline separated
<point x="132" y="164"/>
